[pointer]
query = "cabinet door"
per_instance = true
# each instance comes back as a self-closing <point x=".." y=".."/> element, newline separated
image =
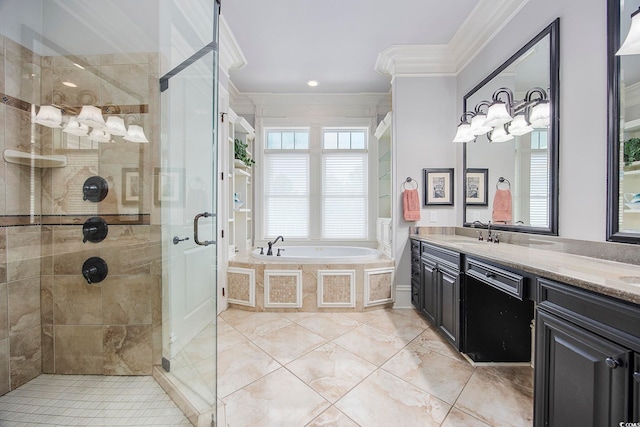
<point x="581" y="378"/>
<point x="448" y="320"/>
<point x="429" y="288"/>
<point x="416" y="299"/>
<point x="636" y="388"/>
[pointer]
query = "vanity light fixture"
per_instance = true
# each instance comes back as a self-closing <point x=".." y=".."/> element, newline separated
<point x="631" y="45"/>
<point x="500" y="134"/>
<point x="499" y="111"/>
<point x="519" y="125"/>
<point x="538" y="105"/>
<point x="48" y="116"/>
<point x="477" y="122"/>
<point x="75" y="128"/>
<point x="91" y="116"/>
<point x="464" y="129"/>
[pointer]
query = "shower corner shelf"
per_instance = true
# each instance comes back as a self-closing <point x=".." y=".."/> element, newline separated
<point x="35" y="160"/>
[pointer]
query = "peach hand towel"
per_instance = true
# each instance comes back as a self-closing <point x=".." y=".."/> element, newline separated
<point x="411" y="205"/>
<point x="502" y="207"/>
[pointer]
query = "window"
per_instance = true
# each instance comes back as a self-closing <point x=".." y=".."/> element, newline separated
<point x="316" y="183"/>
<point x="539" y="180"/>
<point x="344" y="185"/>
<point x="286" y="184"/>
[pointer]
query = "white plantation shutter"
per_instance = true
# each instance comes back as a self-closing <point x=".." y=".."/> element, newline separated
<point x="539" y="196"/>
<point x="286" y="194"/>
<point x="344" y="195"/>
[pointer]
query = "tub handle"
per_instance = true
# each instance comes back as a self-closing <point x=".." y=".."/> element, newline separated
<point x="279" y="249"/>
<point x="261" y="250"/>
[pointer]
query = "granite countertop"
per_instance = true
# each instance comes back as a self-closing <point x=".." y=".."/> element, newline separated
<point x="610" y="278"/>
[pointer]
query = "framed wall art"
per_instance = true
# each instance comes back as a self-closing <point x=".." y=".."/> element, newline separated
<point x="476" y="182"/>
<point x="438" y="187"/>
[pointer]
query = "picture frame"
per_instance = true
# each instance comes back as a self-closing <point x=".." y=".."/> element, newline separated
<point x="476" y="184"/>
<point x="131" y="186"/>
<point x="167" y="186"/>
<point x="438" y="187"/>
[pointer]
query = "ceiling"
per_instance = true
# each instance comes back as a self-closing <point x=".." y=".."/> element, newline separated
<point x="336" y="42"/>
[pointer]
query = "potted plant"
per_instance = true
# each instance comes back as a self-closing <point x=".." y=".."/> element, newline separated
<point x="241" y="153"/>
<point x="631" y="151"/>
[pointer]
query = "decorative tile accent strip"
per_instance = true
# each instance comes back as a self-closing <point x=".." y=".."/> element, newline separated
<point x="283" y="288"/>
<point x="241" y="283"/>
<point x="379" y="286"/>
<point x="336" y="288"/>
<point x="19" y="220"/>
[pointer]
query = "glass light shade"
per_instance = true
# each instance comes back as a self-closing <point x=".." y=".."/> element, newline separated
<point x="115" y="126"/>
<point x="631" y="45"/>
<point x="539" y="116"/>
<point x="499" y="134"/>
<point x="497" y="114"/>
<point x="49" y="116"/>
<point x="477" y="125"/>
<point x="91" y="116"/>
<point x="464" y="133"/>
<point x="135" y="134"/>
<point x="75" y="128"/>
<point x="519" y="126"/>
<point x="99" y="136"/>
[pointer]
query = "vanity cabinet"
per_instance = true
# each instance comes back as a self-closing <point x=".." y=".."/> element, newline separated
<point x="441" y="281"/>
<point x="587" y="358"/>
<point x="416" y="276"/>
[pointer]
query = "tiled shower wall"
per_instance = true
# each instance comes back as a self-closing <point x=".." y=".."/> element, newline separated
<point x="51" y="320"/>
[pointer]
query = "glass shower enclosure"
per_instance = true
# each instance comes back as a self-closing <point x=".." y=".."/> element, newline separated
<point x="107" y="186"/>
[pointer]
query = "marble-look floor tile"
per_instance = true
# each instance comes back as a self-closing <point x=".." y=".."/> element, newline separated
<point x="401" y="326"/>
<point x="432" y="372"/>
<point x="332" y="417"/>
<point x="259" y="323"/>
<point x="371" y="344"/>
<point x="331" y="370"/>
<point x="432" y="340"/>
<point x="385" y="400"/>
<point x="482" y="393"/>
<point x="232" y="314"/>
<point x="279" y="399"/>
<point x="289" y="343"/>
<point x="411" y="313"/>
<point x="298" y="315"/>
<point x="241" y="365"/>
<point x="364" y="317"/>
<point x="228" y="337"/>
<point x="519" y="375"/>
<point x="457" y="418"/>
<point x="329" y="326"/>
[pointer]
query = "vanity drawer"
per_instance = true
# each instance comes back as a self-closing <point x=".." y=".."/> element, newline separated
<point x="415" y="247"/>
<point x="441" y="255"/>
<point x="506" y="281"/>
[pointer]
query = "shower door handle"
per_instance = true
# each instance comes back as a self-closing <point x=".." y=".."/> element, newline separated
<point x="195" y="229"/>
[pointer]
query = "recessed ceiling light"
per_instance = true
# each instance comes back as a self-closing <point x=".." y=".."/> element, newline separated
<point x="312" y="83"/>
<point x="69" y="84"/>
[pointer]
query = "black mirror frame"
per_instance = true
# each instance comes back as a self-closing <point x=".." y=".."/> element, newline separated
<point x="613" y="128"/>
<point x="553" y="31"/>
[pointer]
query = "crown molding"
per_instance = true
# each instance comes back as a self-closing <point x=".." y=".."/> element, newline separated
<point x="481" y="26"/>
<point x="231" y="56"/>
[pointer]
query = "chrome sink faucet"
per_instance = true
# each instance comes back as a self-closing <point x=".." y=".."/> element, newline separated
<point x="270" y="251"/>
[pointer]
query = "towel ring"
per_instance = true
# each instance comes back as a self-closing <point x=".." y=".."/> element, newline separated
<point x="409" y="180"/>
<point x="502" y="180"/>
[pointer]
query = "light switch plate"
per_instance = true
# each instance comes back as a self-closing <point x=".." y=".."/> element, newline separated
<point x="433" y="216"/>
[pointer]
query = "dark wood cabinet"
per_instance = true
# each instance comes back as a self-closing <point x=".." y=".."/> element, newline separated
<point x="416" y="276"/>
<point x="582" y="379"/>
<point x="587" y="356"/>
<point x="441" y="290"/>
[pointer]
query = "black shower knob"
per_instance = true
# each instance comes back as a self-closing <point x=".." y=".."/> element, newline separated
<point x="95" y="189"/>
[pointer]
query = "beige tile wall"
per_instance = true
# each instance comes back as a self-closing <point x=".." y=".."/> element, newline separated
<point x="51" y="320"/>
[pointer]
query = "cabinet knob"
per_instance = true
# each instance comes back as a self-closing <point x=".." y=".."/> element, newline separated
<point x="612" y="363"/>
<point x="490" y="275"/>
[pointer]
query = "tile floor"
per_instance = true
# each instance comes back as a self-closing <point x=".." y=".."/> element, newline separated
<point x="89" y="400"/>
<point x="381" y="368"/>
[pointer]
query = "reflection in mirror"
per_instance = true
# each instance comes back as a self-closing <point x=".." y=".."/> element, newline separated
<point x="513" y="135"/>
<point x="624" y="126"/>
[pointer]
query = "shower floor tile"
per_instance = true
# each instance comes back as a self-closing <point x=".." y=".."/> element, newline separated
<point x="72" y="400"/>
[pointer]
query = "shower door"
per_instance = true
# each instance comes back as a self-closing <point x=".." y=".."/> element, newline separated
<point x="186" y="191"/>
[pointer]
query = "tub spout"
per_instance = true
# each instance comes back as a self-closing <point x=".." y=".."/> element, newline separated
<point x="269" y="251"/>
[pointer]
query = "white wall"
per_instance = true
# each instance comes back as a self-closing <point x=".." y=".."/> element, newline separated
<point x="424" y="111"/>
<point x="583" y="115"/>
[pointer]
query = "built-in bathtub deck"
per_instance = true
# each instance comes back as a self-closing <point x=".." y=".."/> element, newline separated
<point x="270" y="285"/>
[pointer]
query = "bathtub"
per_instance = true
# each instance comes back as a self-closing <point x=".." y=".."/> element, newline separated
<point x="319" y="254"/>
<point x="312" y="279"/>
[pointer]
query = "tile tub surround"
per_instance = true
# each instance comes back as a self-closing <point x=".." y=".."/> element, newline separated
<point x="257" y="285"/>
<point x="376" y="368"/>
<point x="616" y="279"/>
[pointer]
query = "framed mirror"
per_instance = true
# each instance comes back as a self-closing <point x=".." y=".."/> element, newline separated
<point x="623" y="169"/>
<point x="520" y="152"/>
